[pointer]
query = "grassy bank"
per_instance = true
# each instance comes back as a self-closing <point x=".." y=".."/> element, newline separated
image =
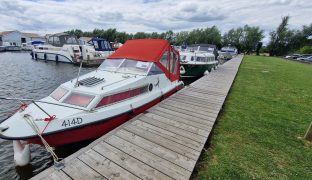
<point x="258" y="134"/>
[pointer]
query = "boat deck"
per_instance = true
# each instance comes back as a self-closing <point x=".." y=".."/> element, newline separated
<point x="165" y="142"/>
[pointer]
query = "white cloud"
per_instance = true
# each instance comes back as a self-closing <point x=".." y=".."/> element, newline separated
<point x="48" y="16"/>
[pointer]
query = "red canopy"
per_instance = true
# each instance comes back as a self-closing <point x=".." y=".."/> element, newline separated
<point x="142" y="49"/>
<point x="150" y="50"/>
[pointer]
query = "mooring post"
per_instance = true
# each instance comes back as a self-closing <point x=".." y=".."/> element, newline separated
<point x="308" y="135"/>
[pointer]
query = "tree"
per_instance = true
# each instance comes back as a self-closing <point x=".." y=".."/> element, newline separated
<point x="279" y="39"/>
<point x="251" y="37"/>
<point x="234" y="37"/>
<point x="259" y="46"/>
<point x="244" y="39"/>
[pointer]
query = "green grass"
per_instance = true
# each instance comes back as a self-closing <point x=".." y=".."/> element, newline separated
<point x="258" y="134"/>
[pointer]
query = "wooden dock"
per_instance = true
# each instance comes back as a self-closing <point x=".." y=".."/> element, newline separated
<point x="165" y="142"/>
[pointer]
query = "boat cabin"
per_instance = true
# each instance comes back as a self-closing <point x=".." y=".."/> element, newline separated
<point x="197" y="57"/>
<point x="60" y="39"/>
<point x="153" y="55"/>
<point x="100" y="44"/>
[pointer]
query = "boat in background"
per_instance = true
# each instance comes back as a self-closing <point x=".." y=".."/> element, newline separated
<point x="61" y="47"/>
<point x="31" y="45"/>
<point x="137" y="76"/>
<point x="227" y="53"/>
<point x="229" y="49"/>
<point x="11" y="46"/>
<point x="196" y="60"/>
<point x="2" y="48"/>
<point x="65" y="48"/>
<point x="95" y="51"/>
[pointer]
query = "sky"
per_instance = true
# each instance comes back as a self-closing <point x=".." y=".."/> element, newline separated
<point x="52" y="16"/>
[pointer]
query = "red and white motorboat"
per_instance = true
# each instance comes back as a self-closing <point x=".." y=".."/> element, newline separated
<point x="137" y="76"/>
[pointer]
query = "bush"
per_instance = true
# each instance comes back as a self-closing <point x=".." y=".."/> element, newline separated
<point x="306" y="50"/>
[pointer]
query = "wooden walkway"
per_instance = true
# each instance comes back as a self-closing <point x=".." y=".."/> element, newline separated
<point x="163" y="143"/>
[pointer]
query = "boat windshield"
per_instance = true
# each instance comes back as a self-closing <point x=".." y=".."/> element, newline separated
<point x="126" y="66"/>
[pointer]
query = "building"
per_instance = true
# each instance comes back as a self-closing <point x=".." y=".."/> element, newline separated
<point x="27" y="37"/>
<point x="17" y="37"/>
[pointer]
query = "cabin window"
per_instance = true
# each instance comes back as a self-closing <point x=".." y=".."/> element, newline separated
<point x="164" y="60"/>
<point x="51" y="40"/>
<point x="58" y="93"/>
<point x="134" y="67"/>
<point x="111" y="64"/>
<point x="192" y="58"/>
<point x="155" y="70"/>
<point x="173" y="63"/>
<point x="96" y="45"/>
<point x="70" y="40"/>
<point x="56" y="40"/>
<point x="78" y="99"/>
<point x="115" y="98"/>
<point x="182" y="57"/>
<point x="108" y="46"/>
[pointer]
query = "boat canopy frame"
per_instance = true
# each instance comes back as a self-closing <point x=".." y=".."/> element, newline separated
<point x="158" y="51"/>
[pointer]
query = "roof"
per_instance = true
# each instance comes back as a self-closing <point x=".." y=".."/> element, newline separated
<point x="6" y="32"/>
<point x="60" y="34"/>
<point x="85" y="38"/>
<point x="142" y="49"/>
<point x="32" y="35"/>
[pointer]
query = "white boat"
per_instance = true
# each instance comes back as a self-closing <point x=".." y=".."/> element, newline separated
<point x="2" y="48"/>
<point x="229" y="49"/>
<point x="31" y="45"/>
<point x="65" y="48"/>
<point x="195" y="61"/>
<point x="61" y="47"/>
<point x="96" y="50"/>
<point x="11" y="46"/>
<point x="131" y="80"/>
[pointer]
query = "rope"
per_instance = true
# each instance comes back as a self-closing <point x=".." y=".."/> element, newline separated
<point x="50" y="149"/>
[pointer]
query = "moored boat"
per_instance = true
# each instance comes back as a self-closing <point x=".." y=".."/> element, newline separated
<point x="65" y="48"/>
<point x="11" y="46"/>
<point x="60" y="47"/>
<point x="194" y="63"/>
<point x="137" y="76"/>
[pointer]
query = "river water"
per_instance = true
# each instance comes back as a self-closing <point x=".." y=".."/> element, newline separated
<point x="22" y="77"/>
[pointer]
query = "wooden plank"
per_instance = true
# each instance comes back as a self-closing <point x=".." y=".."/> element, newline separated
<point x="104" y="166"/>
<point x="211" y="88"/>
<point x="129" y="163"/>
<point x="168" y="127"/>
<point x="172" y="170"/>
<point x="211" y="101"/>
<point x="191" y="112"/>
<point x="198" y="100"/>
<point x="177" y="124"/>
<point x="56" y="175"/>
<point x="205" y="91"/>
<point x="182" y="120"/>
<point x="176" y="147"/>
<point x="80" y="171"/>
<point x="205" y="96"/>
<point x="158" y="150"/>
<point x="199" y="108"/>
<point x="196" y="103"/>
<point x="206" y="121"/>
<point x="169" y="135"/>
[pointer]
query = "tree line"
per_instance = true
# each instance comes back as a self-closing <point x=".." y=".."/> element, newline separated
<point x="284" y="40"/>
<point x="246" y="39"/>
